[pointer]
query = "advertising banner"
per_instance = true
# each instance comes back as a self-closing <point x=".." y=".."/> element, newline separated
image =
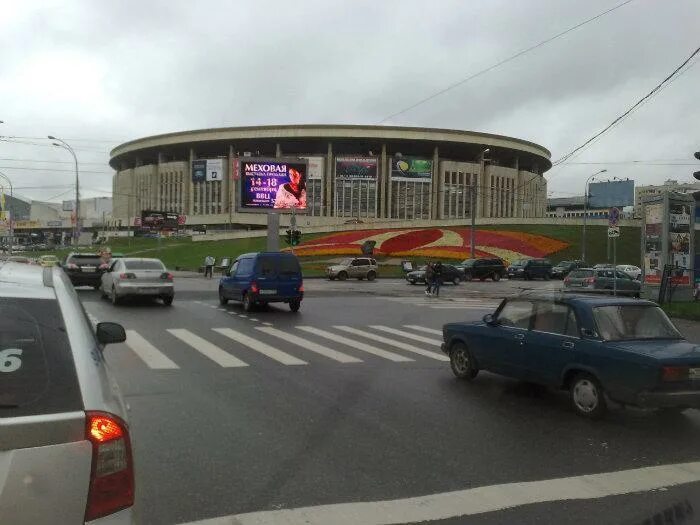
<point x="611" y="194"/>
<point x="653" y="215"/>
<point x="54" y="224"/>
<point x="316" y="167"/>
<point x="215" y="169"/>
<point x="679" y="240"/>
<point x="199" y="170"/>
<point x="67" y="205"/>
<point x="356" y="168"/>
<point x="411" y="169"/>
<point x="273" y="184"/>
<point x="159" y="220"/>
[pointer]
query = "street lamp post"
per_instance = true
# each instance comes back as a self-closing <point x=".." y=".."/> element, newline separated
<point x="63" y="144"/>
<point x="585" y="214"/>
<point x="12" y="209"/>
<point x="472" y="202"/>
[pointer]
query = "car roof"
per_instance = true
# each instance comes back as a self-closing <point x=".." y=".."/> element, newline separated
<point x="274" y="254"/>
<point x="27" y="281"/>
<point x="585" y="298"/>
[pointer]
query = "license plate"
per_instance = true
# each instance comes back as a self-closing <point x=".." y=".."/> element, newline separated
<point x="89" y="268"/>
<point x="268" y="292"/>
<point x="694" y="373"/>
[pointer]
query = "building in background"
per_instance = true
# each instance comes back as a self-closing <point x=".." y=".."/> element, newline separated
<point x="19" y="207"/>
<point x="94" y="211"/>
<point x="354" y="173"/>
<point x="642" y="192"/>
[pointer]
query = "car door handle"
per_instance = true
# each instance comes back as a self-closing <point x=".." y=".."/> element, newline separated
<point x="567" y="344"/>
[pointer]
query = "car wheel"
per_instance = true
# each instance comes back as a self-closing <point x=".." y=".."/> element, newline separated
<point x="115" y="298"/>
<point x="412" y="281"/>
<point x="482" y="279"/>
<point x="636" y="295"/>
<point x="371" y="276"/>
<point x="96" y="286"/>
<point x="247" y="302"/>
<point x="342" y="276"/>
<point x="587" y="396"/>
<point x="168" y="300"/>
<point x="222" y="300"/>
<point x="496" y="277"/>
<point x="456" y="281"/>
<point x="462" y="362"/>
<point x="331" y="277"/>
<point x="468" y="277"/>
<point x="294" y="305"/>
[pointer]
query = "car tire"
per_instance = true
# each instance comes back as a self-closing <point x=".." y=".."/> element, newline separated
<point x="587" y="396"/>
<point x="496" y="277"/>
<point x="222" y="300"/>
<point x="168" y="300"/>
<point x="456" y="281"/>
<point x="342" y="276"/>
<point x="462" y="362"/>
<point x="294" y="305"/>
<point x="371" y="276"/>
<point x="96" y="286"/>
<point x="115" y="298"/>
<point x="247" y="303"/>
<point x="332" y="278"/>
<point x="468" y="277"/>
<point x="412" y="281"/>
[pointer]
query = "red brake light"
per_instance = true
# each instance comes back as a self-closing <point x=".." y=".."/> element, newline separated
<point x="254" y="287"/>
<point x="167" y="276"/>
<point x="674" y="373"/>
<point x="112" y="472"/>
<point x="590" y="280"/>
<point x="301" y="287"/>
<point x="127" y="276"/>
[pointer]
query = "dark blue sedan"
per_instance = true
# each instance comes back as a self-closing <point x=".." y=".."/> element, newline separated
<point x="600" y="349"/>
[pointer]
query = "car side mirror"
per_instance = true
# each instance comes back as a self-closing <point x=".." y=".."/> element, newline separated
<point x="108" y="333"/>
<point x="490" y="320"/>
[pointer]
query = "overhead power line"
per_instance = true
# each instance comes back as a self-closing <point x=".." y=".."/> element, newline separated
<point x="502" y="62"/>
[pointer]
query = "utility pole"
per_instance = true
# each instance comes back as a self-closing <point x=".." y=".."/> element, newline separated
<point x="472" y="203"/>
<point x="12" y="209"/>
<point x="63" y="144"/>
<point x="585" y="215"/>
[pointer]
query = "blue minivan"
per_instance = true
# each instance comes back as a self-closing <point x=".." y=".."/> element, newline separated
<point x="262" y="278"/>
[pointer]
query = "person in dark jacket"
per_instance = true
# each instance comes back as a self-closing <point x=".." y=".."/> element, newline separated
<point x="429" y="277"/>
<point x="437" y="278"/>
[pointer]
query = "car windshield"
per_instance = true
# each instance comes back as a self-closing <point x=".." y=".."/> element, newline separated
<point x="579" y="274"/>
<point x="468" y="263"/>
<point x="633" y="322"/>
<point x="345" y="262"/>
<point x="564" y="264"/>
<point x="519" y="262"/>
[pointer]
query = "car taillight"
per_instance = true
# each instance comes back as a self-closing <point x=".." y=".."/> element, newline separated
<point x="127" y="276"/>
<point x="254" y="287"/>
<point x="166" y="276"/>
<point x="112" y="473"/>
<point x="674" y="373"/>
<point x="301" y="287"/>
<point x="589" y="280"/>
<point x="72" y="266"/>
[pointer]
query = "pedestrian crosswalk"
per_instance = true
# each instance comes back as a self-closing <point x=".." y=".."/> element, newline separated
<point x="303" y="345"/>
<point x="440" y="303"/>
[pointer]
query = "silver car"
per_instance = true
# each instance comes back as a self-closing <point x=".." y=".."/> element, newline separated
<point x="130" y="277"/>
<point x="359" y="267"/>
<point x="65" y="449"/>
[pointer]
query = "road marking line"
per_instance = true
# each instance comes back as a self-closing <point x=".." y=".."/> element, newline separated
<point x="213" y="352"/>
<point x="267" y="324"/>
<point x="309" y="345"/>
<point x="463" y="307"/>
<point x="243" y="316"/>
<point x="265" y="349"/>
<point x="212" y="306"/>
<point x="254" y="319"/>
<point x="423" y="329"/>
<point x="148" y="353"/>
<point x="232" y="313"/>
<point x="408" y="335"/>
<point x="479" y="500"/>
<point x="222" y="309"/>
<point x="391" y="356"/>
<point x="391" y="342"/>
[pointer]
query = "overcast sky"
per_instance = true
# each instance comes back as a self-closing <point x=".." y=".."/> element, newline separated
<point x="100" y="73"/>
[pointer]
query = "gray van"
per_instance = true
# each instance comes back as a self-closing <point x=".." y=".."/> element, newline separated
<point x="530" y="269"/>
<point x="65" y="449"/>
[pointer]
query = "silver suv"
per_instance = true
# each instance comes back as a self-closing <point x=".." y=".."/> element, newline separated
<point x="359" y="267"/>
<point x="65" y="450"/>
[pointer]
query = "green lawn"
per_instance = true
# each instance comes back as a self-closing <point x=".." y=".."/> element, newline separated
<point x="690" y="310"/>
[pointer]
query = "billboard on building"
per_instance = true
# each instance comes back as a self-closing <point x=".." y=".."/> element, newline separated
<point x="316" y="167"/>
<point x="67" y="205"/>
<point x="356" y="168"/>
<point x="411" y="169"/>
<point x="612" y="194"/>
<point x="272" y="184"/>
<point x="159" y="220"/>
<point x="207" y="170"/>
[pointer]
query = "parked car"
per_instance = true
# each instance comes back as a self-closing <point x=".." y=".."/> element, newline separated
<point x="600" y="266"/>
<point x="563" y="268"/>
<point x="85" y="269"/>
<point x="634" y="272"/>
<point x="359" y="267"/>
<point x="19" y="259"/>
<point x="48" y="260"/>
<point x="595" y="347"/>
<point x="65" y="444"/>
<point x="450" y="274"/>
<point x="530" y="269"/>
<point x="602" y="281"/>
<point x="262" y="278"/>
<point x="131" y="277"/>
<point x="482" y="269"/>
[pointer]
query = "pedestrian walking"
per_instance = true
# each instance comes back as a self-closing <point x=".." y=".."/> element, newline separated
<point x="437" y="278"/>
<point x="209" y="266"/>
<point x="429" y="276"/>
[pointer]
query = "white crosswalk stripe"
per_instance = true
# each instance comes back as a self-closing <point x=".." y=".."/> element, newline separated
<point x="213" y="352"/>
<point x="423" y="329"/>
<point x="407" y="335"/>
<point x="309" y="345"/>
<point x="455" y="303"/>
<point x="150" y="355"/>
<point x="259" y="346"/>
<point x="358" y="345"/>
<point x="391" y="342"/>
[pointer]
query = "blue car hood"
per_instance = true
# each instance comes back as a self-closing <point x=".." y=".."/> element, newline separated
<point x="661" y="348"/>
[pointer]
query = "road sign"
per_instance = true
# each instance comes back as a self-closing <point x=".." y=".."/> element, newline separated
<point x="613" y="217"/>
<point x="613" y="231"/>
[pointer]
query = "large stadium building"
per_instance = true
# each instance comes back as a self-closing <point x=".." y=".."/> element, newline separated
<point x="365" y="173"/>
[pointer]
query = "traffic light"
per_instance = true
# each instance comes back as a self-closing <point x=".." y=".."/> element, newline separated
<point x="296" y="237"/>
<point x="697" y="173"/>
<point x="288" y="237"/>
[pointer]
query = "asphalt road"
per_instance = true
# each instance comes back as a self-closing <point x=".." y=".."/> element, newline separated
<point x="236" y="413"/>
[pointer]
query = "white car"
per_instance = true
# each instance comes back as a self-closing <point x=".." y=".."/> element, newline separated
<point x="633" y="271"/>
<point x="131" y="277"/>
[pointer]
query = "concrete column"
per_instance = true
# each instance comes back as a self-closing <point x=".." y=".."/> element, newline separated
<point x="278" y="150"/>
<point x="436" y="201"/>
<point x="385" y="184"/>
<point x="329" y="183"/>
<point x="230" y="194"/>
<point x="189" y="187"/>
